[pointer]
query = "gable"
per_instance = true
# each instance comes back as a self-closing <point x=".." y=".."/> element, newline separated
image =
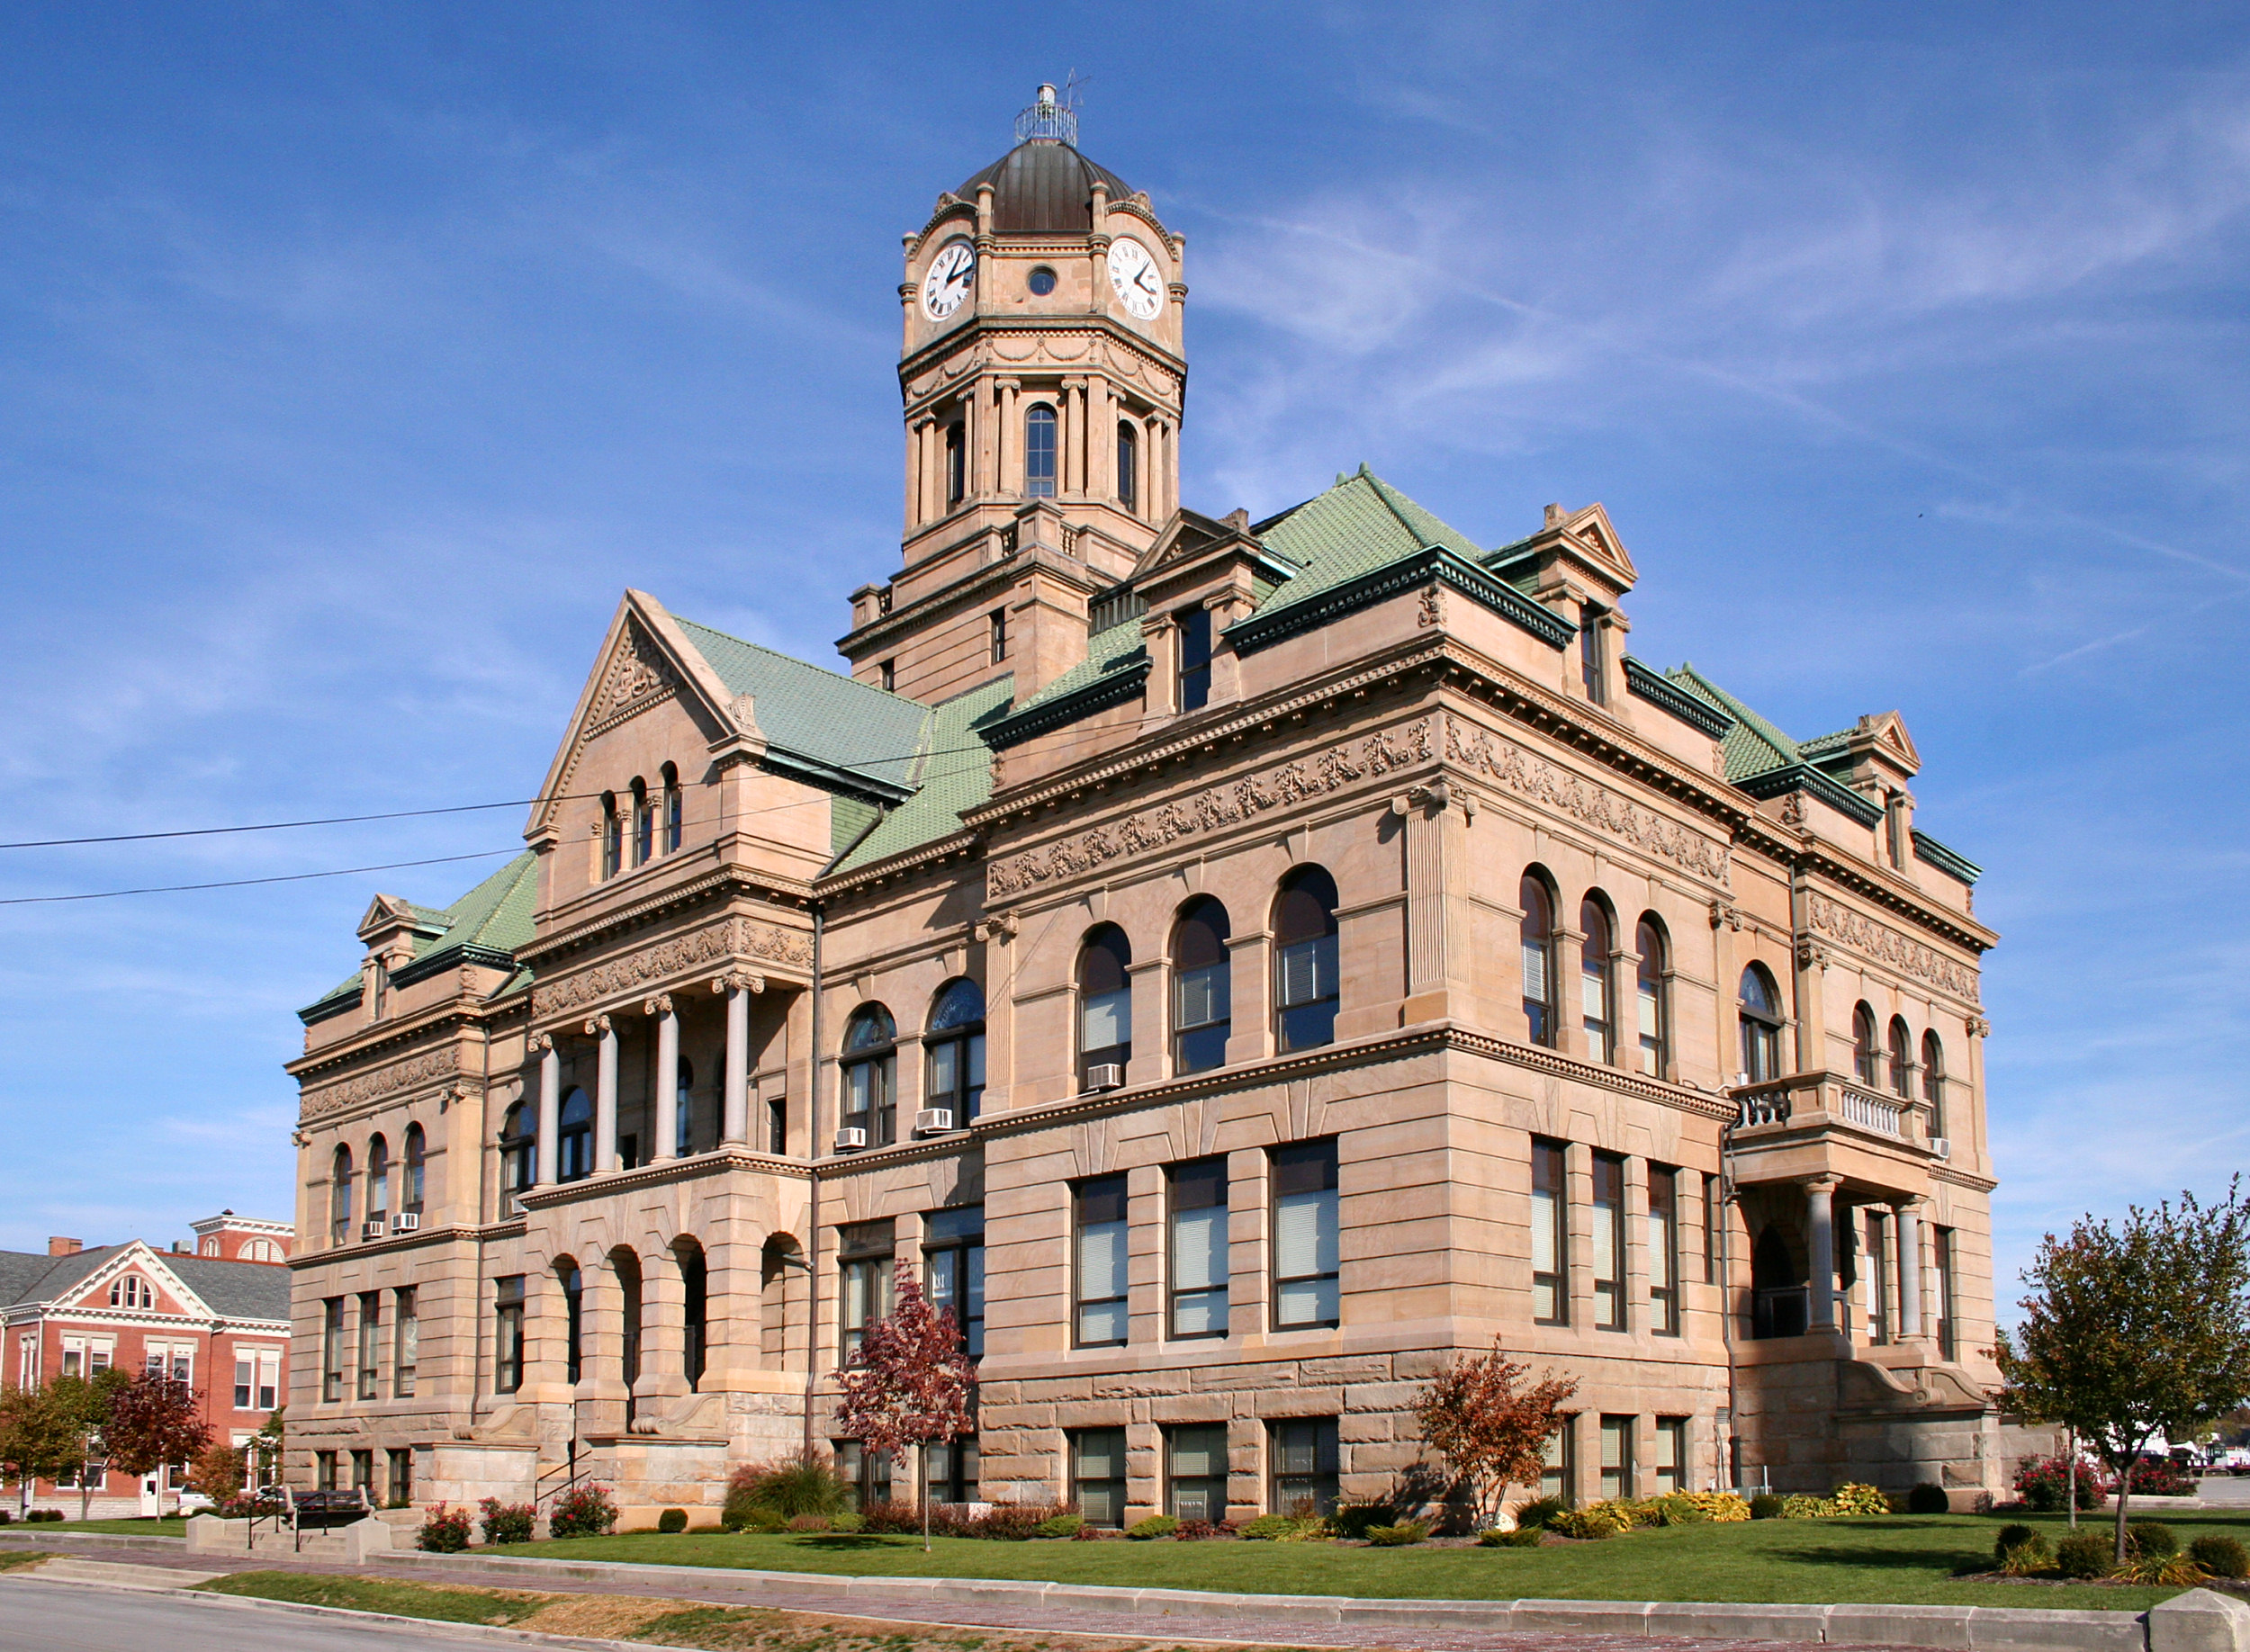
<point x="137" y="1261"/>
<point x="1598" y="539"/>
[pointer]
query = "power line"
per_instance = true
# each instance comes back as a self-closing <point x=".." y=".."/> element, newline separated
<point x="240" y="883"/>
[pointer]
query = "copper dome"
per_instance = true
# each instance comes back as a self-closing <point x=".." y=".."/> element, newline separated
<point x="1044" y="188"/>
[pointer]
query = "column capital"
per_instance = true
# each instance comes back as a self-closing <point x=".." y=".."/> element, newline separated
<point x="662" y="1004"/>
<point x="738" y="980"/>
<point x="1911" y="1205"/>
<point x="1819" y="1184"/>
<point x="598" y="1027"/>
<point x="541" y="1042"/>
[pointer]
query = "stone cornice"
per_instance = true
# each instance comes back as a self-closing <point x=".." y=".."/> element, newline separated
<point x="938" y="852"/>
<point x="1957" y="1177"/>
<point x="951" y="343"/>
<point x="970" y="587"/>
<point x="717" y="1162"/>
<point x="729" y="882"/>
<point x="447" y="1021"/>
<point x="622" y="976"/>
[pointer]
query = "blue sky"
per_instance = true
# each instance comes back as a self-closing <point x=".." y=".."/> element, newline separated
<point x="353" y="358"/>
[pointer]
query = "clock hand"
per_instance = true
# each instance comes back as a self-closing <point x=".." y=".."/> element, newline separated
<point x="1141" y="281"/>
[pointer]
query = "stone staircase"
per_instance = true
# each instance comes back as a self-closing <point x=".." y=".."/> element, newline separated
<point x="112" y="1573"/>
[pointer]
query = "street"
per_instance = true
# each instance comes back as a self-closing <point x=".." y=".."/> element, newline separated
<point x="37" y="1617"/>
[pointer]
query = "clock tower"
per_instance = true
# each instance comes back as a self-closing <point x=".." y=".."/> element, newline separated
<point x="1043" y="385"/>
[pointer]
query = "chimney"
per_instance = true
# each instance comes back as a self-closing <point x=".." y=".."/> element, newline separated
<point x="1554" y="515"/>
<point x="56" y="1246"/>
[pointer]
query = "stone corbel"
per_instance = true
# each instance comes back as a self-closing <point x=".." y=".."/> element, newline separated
<point x="1436" y="797"/>
<point x="1977" y="1027"/>
<point x="299" y="1138"/>
<point x="1792" y="809"/>
<point x="737" y="980"/>
<point x="999" y="926"/>
<point x="1724" y="915"/>
<point x="1811" y="955"/>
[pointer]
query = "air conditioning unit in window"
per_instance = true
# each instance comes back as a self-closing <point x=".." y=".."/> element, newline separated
<point x="406" y="1221"/>
<point x="1105" y="1076"/>
<point x="850" y="1136"/>
<point x="375" y="1227"/>
<point x="933" y="1120"/>
<point x="1939" y="1146"/>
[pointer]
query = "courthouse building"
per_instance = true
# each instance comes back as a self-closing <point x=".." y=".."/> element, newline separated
<point x="1235" y="964"/>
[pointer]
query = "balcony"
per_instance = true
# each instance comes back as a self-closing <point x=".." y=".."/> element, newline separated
<point x="1812" y="1124"/>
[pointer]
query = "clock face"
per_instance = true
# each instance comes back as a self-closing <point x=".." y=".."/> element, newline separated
<point x="952" y="274"/>
<point x="1134" y="273"/>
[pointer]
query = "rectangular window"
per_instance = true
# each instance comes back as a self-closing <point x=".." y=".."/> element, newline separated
<point x="1941" y="1245"/>
<point x="401" y="1477"/>
<point x="406" y="1341"/>
<point x="97" y="1357"/>
<point x="1195" y="1471"/>
<point x="363" y="1471"/>
<point x="1097" y="1475"/>
<point x="1560" y="1462"/>
<point x="956" y="463"/>
<point x="1663" y="1250"/>
<point x="950" y="1470"/>
<point x="1306" y="1235"/>
<point x="777" y="1127"/>
<point x="953" y="1264"/>
<point x="1195" y="659"/>
<point x="1303" y="1452"/>
<point x="1099" y="1218"/>
<point x="369" y="1343"/>
<point x="245" y="1380"/>
<point x="867" y="1473"/>
<point x="1879" y="1278"/>
<point x="1671" y="1455"/>
<point x="1197" y="1261"/>
<point x="1549" y="1234"/>
<point x="324" y="1470"/>
<point x="998" y="622"/>
<point x="1590" y="654"/>
<point x="863" y="1254"/>
<point x="332" y="1353"/>
<point x="1713" y="1239"/>
<point x="73" y="1357"/>
<point x="269" y="1368"/>
<point x="1128" y="468"/>
<point x="1305" y="981"/>
<point x="1609" y="1242"/>
<point x="888" y="674"/>
<point x="1617" y="1457"/>
<point x="507" y="1340"/>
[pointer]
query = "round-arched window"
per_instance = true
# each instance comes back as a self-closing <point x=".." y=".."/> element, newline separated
<point x="1305" y="960"/>
<point x="1934" y="1082"/>
<point x="340" y="1197"/>
<point x="1203" y="995"/>
<point x="1597" y="1014"/>
<point x="1655" y="1017"/>
<point x="870" y="1076"/>
<point x="417" y="1156"/>
<point x="1105" y="1005"/>
<point x="1867" y="1060"/>
<point x="1761" y="1026"/>
<point x="1538" y="937"/>
<point x="955" y="1043"/>
<point x="1902" y="1058"/>
<point x="378" y="1181"/>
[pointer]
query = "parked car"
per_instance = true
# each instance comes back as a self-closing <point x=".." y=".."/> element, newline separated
<point x="196" y="1502"/>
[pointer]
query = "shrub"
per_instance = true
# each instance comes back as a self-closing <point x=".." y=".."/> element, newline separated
<point x="507" y="1522"/>
<point x="1066" y="1525"/>
<point x="1856" y="1499"/>
<point x="1720" y="1506"/>
<point x="2087" y="1555"/>
<point x="1353" y="1519"/>
<point x="1928" y="1499"/>
<point x="2010" y="1536"/>
<point x="764" y="1519"/>
<point x="2173" y="1569"/>
<point x="672" y="1520"/>
<point x="8" y="1517"/>
<point x="1541" y="1511"/>
<point x="2028" y="1556"/>
<point x="1767" y="1506"/>
<point x="252" y="1505"/>
<point x="789" y="1486"/>
<point x="1012" y="1522"/>
<point x="893" y="1517"/>
<point x="1803" y="1505"/>
<point x="2161" y="1477"/>
<point x="583" y="1511"/>
<point x="2150" y="1539"/>
<point x="2221" y="1556"/>
<point x="1399" y="1536"/>
<point x="807" y="1523"/>
<point x="1154" y="1526"/>
<point x="445" y="1530"/>
<point x="1203" y="1531"/>
<point x="2044" y="1485"/>
<point x="1523" y="1537"/>
<point x="851" y="1520"/>
<point x="1267" y="1528"/>
<point x="1093" y="1534"/>
<point x="1596" y="1520"/>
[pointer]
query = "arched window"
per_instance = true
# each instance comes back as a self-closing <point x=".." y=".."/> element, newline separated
<point x="573" y="1284"/>
<point x="675" y="810"/>
<point x="1597" y="995"/>
<point x="684" y="1110"/>
<point x="1106" y="1004"/>
<point x="1039" y="452"/>
<point x="627" y="1268"/>
<point x="340" y="1197"/>
<point x="643" y="823"/>
<point x="1867" y="1060"/>
<point x="956" y="463"/>
<point x="1761" y="1026"/>
<point x="574" y="1138"/>
<point x="1305" y="960"/>
<point x="378" y="1181"/>
<point x="612" y="836"/>
<point x="955" y="1041"/>
<point x="1934" y="1082"/>
<point x="1202" y="987"/>
<point x="1655" y="1012"/>
<point x="695" y="1285"/>
<point x="132" y="1291"/>
<point x="417" y="1153"/>
<point x="1128" y="466"/>
<point x="870" y="1076"/>
<point x="1538" y="947"/>
<point x="1902" y="1059"/>
<point x="1778" y="1306"/>
<point x="519" y="1151"/>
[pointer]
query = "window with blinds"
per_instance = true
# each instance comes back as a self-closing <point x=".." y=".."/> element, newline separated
<point x="1097" y="1475"/>
<point x="1671" y="1455"/>
<point x="1559" y="1461"/>
<point x="508" y="1343"/>
<point x="1305" y="1459"/>
<point x="1549" y="1230"/>
<point x="1306" y="991"/>
<point x="369" y="1343"/>
<point x="1195" y="1471"/>
<point x="953" y="1261"/>
<point x="1101" y="1228"/>
<point x="1663" y="1250"/>
<point x="1306" y="1229"/>
<point x="1649" y="990"/>
<point x="332" y="1350"/>
<point x="1617" y="1457"/>
<point x="1203" y="978"/>
<point x="1538" y="938"/>
<point x="863" y="1280"/>
<point x="1596" y="1014"/>
<point x="1105" y="1001"/>
<point x="1609" y="1242"/>
<point x="1197" y="1261"/>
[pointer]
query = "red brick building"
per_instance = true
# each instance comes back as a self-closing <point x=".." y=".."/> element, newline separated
<point x="214" y="1315"/>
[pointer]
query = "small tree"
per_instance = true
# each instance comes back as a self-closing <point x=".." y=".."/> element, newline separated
<point x="154" y="1421"/>
<point x="42" y="1436"/>
<point x="1494" y="1432"/>
<point x="907" y="1385"/>
<point x="2135" y="1330"/>
<point x="217" y="1472"/>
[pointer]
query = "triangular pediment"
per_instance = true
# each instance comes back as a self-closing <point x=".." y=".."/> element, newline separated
<point x="1887" y="732"/>
<point x="173" y="1294"/>
<point x="645" y="661"/>
<point x="1597" y="535"/>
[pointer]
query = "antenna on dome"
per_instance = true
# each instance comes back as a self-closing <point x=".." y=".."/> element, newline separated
<point x="1052" y="119"/>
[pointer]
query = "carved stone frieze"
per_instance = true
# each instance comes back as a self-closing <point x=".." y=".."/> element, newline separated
<point x="1214" y="809"/>
<point x="737" y="937"/>
<point x="638" y="670"/>
<point x="1584" y="801"/>
<point x="1887" y="946"/>
<point x="443" y="1061"/>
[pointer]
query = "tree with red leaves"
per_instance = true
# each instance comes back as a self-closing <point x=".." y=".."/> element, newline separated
<point x="1492" y="1431"/>
<point x="151" y="1421"/>
<point x="907" y="1385"/>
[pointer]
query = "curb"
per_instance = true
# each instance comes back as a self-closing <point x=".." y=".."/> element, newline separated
<point x="13" y="1534"/>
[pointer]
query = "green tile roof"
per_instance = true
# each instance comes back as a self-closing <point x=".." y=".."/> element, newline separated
<point x="1110" y="655"/>
<point x="1359" y="524"/>
<point x="843" y="729"/>
<point x="492" y="920"/>
<point x="1754" y="745"/>
<point x="952" y="775"/>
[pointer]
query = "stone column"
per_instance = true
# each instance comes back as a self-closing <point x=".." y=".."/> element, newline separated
<point x="550" y="1106"/>
<point x="1437" y="921"/>
<point x="737" y="985"/>
<point x="1820" y="1244"/>
<point x="605" y="1093"/>
<point x="1073" y="479"/>
<point x="1101" y="441"/>
<point x="665" y="1114"/>
<point x="1007" y="439"/>
<point x="1909" y="1267"/>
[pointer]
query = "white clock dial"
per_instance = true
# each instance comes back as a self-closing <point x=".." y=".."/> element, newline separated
<point x="952" y="274"/>
<point x="1138" y="282"/>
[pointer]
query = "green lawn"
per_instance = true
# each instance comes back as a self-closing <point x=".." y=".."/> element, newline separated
<point x="1907" y="1560"/>
<point x="169" y="1525"/>
<point x="405" y="1600"/>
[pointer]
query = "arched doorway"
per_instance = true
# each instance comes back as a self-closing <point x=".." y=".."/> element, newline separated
<point x="1778" y="1306"/>
<point x="695" y="1278"/>
<point x="626" y="1266"/>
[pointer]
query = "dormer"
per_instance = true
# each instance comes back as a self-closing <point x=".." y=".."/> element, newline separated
<point x="1202" y="574"/>
<point x="1578" y="567"/>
